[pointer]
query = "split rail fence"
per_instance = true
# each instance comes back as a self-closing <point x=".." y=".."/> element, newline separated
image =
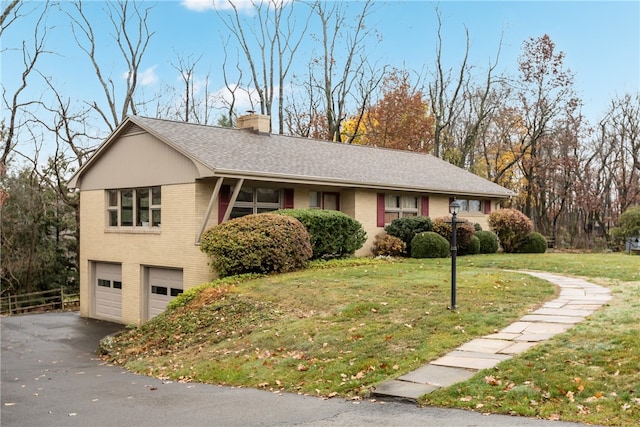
<point x="54" y="299"/>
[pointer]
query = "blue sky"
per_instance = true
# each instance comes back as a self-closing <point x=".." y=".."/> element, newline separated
<point x="601" y="40"/>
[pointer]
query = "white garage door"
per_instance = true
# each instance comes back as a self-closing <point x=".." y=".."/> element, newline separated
<point x="164" y="285"/>
<point x="108" y="295"/>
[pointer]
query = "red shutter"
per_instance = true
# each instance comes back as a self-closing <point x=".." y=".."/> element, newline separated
<point x="223" y="201"/>
<point x="380" y="210"/>
<point x="288" y="198"/>
<point x="487" y="207"/>
<point x="425" y="206"/>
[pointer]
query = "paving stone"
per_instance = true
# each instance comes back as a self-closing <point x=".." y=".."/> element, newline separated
<point x="503" y="336"/>
<point x="554" y="304"/>
<point x="572" y="291"/>
<point x="563" y="312"/>
<point x="547" y="328"/>
<point x="439" y="376"/>
<point x="552" y="319"/>
<point x="535" y="337"/>
<point x="470" y="360"/>
<point x="516" y="327"/>
<point x="518" y="347"/>
<point x="483" y="345"/>
<point x="403" y="389"/>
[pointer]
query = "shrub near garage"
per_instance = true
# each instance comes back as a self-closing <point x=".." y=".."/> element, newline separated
<point x="429" y="244"/>
<point x="262" y="243"/>
<point x="333" y="234"/>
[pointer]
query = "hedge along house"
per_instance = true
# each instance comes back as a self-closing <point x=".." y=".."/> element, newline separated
<point x="154" y="186"/>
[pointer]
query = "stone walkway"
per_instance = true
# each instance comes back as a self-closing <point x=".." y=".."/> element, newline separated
<point x="578" y="299"/>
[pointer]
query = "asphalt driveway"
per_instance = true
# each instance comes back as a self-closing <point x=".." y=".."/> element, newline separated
<point x="51" y="376"/>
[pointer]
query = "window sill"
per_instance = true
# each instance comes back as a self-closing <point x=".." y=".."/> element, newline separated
<point x="133" y="230"/>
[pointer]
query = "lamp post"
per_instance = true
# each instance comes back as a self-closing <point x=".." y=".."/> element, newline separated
<point x="454" y="208"/>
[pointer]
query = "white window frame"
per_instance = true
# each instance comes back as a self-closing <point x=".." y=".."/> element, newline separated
<point x="116" y="209"/>
<point x="393" y="205"/>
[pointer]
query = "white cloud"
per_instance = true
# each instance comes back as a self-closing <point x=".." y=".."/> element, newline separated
<point x="245" y="99"/>
<point x="149" y="77"/>
<point x="204" y="5"/>
<point x="145" y="77"/>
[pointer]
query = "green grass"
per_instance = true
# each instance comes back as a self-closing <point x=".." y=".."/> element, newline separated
<point x="590" y="374"/>
<point x="340" y="328"/>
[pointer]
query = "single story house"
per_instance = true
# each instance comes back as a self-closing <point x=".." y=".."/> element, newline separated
<point x="154" y="186"/>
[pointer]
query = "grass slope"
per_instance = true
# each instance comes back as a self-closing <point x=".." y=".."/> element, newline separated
<point x="340" y="328"/>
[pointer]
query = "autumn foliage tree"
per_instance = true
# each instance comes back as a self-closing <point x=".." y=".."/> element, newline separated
<point x="399" y="120"/>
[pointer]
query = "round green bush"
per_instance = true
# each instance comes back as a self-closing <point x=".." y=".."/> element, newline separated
<point x="471" y="248"/>
<point x="429" y="244"/>
<point x="262" y="243"/>
<point x="333" y="234"/>
<point x="488" y="242"/>
<point x="534" y="243"/>
<point x="387" y="245"/>
<point x="407" y="227"/>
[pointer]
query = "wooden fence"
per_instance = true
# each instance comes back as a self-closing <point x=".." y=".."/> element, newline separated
<point x="54" y="299"/>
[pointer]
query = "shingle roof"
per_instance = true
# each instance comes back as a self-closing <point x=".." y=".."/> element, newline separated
<point x="234" y="151"/>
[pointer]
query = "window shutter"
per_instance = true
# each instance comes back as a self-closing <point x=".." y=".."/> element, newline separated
<point x="380" y="210"/>
<point x="288" y="198"/>
<point x="223" y="201"/>
<point x="425" y="206"/>
<point x="487" y="207"/>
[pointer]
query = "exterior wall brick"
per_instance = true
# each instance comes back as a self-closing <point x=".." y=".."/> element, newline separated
<point x="172" y="246"/>
<point x="184" y="207"/>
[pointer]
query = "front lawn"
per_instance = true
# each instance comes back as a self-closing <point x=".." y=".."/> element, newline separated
<point x="340" y="328"/>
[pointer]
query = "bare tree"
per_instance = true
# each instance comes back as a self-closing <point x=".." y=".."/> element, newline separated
<point x="269" y="50"/>
<point x="445" y="93"/>
<point x="132" y="36"/>
<point x="12" y="98"/>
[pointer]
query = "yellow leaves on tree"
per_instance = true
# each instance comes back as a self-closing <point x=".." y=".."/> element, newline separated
<point x="399" y="120"/>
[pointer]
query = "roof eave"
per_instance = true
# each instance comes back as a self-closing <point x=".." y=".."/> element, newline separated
<point x="314" y="180"/>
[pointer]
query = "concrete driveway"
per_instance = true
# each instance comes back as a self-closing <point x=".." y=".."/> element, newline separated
<point x="52" y="377"/>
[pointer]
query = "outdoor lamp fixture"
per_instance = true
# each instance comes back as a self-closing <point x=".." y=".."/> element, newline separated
<point x="454" y="208"/>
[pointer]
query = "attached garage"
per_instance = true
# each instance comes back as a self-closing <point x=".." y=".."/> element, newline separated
<point x="163" y="285"/>
<point x="108" y="291"/>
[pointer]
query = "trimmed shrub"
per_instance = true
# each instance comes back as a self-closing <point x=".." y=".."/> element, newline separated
<point x="406" y="228"/>
<point x="464" y="230"/>
<point x="429" y="244"/>
<point x="333" y="234"/>
<point x="471" y="248"/>
<point x="262" y="243"/>
<point x="387" y="245"/>
<point x="534" y="243"/>
<point x="628" y="225"/>
<point x="488" y="242"/>
<point x="511" y="226"/>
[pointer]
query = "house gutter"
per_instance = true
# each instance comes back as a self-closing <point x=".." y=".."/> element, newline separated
<point x="293" y="179"/>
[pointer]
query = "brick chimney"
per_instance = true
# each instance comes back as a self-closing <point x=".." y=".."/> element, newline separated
<point x="259" y="123"/>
